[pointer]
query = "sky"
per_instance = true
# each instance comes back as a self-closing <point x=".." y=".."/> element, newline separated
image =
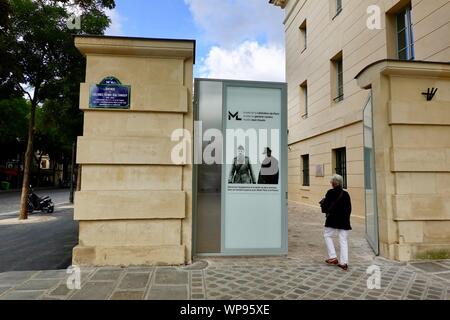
<point x="235" y="39"/>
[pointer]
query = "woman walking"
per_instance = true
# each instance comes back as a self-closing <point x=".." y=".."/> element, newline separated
<point x="337" y="206"/>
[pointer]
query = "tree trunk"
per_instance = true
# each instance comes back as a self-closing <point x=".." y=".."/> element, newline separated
<point x="54" y="173"/>
<point x="19" y="170"/>
<point x="23" y="215"/>
<point x="38" y="183"/>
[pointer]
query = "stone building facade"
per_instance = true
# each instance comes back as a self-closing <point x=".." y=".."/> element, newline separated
<point x="328" y="44"/>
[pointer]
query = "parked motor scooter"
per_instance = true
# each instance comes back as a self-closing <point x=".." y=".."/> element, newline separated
<point x="37" y="203"/>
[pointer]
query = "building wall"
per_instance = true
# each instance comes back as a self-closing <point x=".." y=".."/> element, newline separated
<point x="134" y="206"/>
<point x="331" y="125"/>
<point x="412" y="160"/>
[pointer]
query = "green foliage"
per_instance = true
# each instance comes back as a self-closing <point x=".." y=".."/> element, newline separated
<point x="4" y="15"/>
<point x="39" y="61"/>
<point x="13" y="126"/>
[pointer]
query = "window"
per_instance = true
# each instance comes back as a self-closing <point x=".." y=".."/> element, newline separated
<point x="405" y="39"/>
<point x="340" y="157"/>
<point x="335" y="8"/>
<point x="337" y="78"/>
<point x="340" y="80"/>
<point x="305" y="166"/>
<point x="303" y="37"/>
<point x="338" y="6"/>
<point x="304" y="99"/>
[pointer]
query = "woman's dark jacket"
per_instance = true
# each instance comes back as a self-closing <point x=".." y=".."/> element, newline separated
<point x="338" y="217"/>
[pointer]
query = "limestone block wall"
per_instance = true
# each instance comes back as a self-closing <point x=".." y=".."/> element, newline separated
<point x="412" y="150"/>
<point x="134" y="204"/>
<point x="320" y="151"/>
<point x="329" y="124"/>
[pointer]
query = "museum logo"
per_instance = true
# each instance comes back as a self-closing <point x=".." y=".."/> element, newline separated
<point x="234" y="116"/>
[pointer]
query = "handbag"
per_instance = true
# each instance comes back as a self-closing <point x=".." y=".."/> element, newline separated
<point x="321" y="202"/>
<point x="328" y="210"/>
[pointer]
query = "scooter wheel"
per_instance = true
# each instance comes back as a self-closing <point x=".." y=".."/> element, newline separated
<point x="50" y="210"/>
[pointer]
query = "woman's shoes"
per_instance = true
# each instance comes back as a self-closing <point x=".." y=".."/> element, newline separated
<point x="343" y="266"/>
<point x="333" y="261"/>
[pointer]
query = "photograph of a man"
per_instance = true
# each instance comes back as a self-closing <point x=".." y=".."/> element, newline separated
<point x="270" y="172"/>
<point x="241" y="171"/>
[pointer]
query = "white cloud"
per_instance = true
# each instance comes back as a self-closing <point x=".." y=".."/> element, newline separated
<point x="247" y="61"/>
<point x="230" y="22"/>
<point x="247" y="38"/>
<point x="117" y="21"/>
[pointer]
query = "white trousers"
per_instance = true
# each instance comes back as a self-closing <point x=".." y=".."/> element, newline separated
<point x="343" y="243"/>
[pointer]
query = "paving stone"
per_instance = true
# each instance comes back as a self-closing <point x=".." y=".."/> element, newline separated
<point x="52" y="274"/>
<point x="142" y="269"/>
<point x="22" y="295"/>
<point x="409" y="297"/>
<point x="15" y="277"/>
<point x="171" y="277"/>
<point x="415" y="292"/>
<point x="32" y="285"/>
<point x="94" y="291"/>
<point x="134" y="281"/>
<point x="197" y="290"/>
<point x="430" y="267"/>
<point x="338" y="290"/>
<point x="197" y="265"/>
<point x="48" y="298"/>
<point x="277" y="291"/>
<point x="445" y="276"/>
<point x="168" y="293"/>
<point x="128" y="295"/>
<point x="106" y="275"/>
<point x="4" y="289"/>
<point x="60" y="290"/>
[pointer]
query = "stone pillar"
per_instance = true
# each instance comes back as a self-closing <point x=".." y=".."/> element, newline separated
<point x="412" y="157"/>
<point x="134" y="206"/>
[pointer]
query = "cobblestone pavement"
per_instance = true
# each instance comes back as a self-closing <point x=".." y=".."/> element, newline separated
<point x="300" y="275"/>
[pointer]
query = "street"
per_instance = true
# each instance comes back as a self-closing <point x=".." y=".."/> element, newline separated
<point x="10" y="201"/>
<point x="45" y="242"/>
<point x="302" y="275"/>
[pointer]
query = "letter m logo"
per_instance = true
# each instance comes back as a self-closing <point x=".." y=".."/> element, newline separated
<point x="234" y="116"/>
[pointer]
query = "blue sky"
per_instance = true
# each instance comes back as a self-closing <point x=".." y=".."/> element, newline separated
<point x="236" y="39"/>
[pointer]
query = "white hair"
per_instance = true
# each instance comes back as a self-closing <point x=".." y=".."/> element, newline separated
<point x="337" y="179"/>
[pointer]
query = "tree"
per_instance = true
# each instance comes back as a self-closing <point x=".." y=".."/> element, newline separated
<point x="4" y="14"/>
<point x="13" y="121"/>
<point x="41" y="61"/>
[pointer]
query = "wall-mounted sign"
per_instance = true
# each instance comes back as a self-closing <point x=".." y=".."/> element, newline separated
<point x="320" y="170"/>
<point x="110" y="93"/>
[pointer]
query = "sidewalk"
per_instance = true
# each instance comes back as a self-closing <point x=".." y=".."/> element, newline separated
<point x="301" y="275"/>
